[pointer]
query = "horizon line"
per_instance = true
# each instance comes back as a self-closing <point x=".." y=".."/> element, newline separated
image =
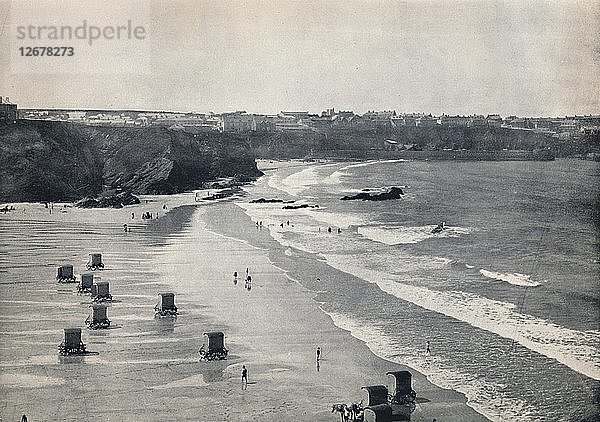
<point x="295" y="111"/>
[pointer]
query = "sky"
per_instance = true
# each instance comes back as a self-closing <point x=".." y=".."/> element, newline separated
<point x="527" y="58"/>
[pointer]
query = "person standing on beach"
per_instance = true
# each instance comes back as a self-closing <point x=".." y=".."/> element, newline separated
<point x="428" y="349"/>
<point x="244" y="377"/>
<point x="318" y="354"/>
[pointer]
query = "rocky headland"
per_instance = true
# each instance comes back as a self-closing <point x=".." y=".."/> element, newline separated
<point x="58" y="161"/>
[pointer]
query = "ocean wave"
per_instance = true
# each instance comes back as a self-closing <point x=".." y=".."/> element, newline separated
<point x="575" y="349"/>
<point x="483" y="396"/>
<point x="275" y="181"/>
<point x="516" y="279"/>
<point x="298" y="182"/>
<point x="336" y="177"/>
<point x="395" y="235"/>
<point x="370" y="163"/>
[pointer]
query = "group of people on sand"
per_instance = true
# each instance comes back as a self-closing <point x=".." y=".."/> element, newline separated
<point x="330" y="230"/>
<point x="146" y="216"/>
<point x="6" y="209"/>
<point x="247" y="280"/>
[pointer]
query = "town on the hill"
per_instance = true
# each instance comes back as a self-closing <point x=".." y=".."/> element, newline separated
<point x="564" y="128"/>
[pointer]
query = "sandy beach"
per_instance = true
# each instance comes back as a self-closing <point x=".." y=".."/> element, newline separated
<point x="148" y="369"/>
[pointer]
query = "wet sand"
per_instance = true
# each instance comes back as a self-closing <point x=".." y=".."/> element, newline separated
<point x="147" y="368"/>
<point x="296" y="325"/>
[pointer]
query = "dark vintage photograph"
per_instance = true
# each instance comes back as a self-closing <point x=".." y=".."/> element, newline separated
<point x="322" y="210"/>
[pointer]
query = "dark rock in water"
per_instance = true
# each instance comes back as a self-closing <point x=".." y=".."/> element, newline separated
<point x="439" y="228"/>
<point x="117" y="200"/>
<point x="295" y="207"/>
<point x="392" y="193"/>
<point x="269" y="201"/>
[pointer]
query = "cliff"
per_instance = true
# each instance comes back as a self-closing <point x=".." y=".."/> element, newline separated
<point x="479" y="143"/>
<point x="52" y="161"/>
<point x="47" y="161"/>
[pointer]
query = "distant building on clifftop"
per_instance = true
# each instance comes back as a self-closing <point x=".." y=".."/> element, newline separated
<point x="8" y="111"/>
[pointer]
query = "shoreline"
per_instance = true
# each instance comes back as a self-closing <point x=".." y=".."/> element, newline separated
<point x="368" y="368"/>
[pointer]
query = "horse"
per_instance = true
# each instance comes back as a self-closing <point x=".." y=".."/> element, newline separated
<point x="342" y="409"/>
<point x="356" y="411"/>
<point x="352" y="412"/>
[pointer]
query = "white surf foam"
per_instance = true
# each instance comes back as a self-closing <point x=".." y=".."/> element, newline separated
<point x="575" y="349"/>
<point x="516" y="279"/>
<point x="298" y="182"/>
<point x="395" y="235"/>
<point x="342" y="220"/>
<point x="370" y="163"/>
<point x="482" y="396"/>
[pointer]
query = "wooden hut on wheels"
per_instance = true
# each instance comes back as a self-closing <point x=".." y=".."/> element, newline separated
<point x="72" y="345"/>
<point x="85" y="285"/>
<point x="374" y="395"/>
<point x="95" y="262"/>
<point x="64" y="274"/>
<point x="166" y="305"/>
<point x="378" y="413"/>
<point x="100" y="291"/>
<point x="401" y="396"/>
<point x="394" y="402"/>
<point x="98" y="319"/>
<point x="214" y="347"/>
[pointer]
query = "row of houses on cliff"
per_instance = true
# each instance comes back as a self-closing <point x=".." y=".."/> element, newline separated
<point x="567" y="127"/>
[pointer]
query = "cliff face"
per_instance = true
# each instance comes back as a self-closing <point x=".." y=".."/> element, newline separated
<point x="158" y="160"/>
<point x="49" y="161"/>
<point x="336" y="142"/>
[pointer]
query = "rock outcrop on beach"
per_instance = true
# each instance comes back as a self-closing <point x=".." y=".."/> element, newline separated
<point x="297" y="207"/>
<point x="270" y="201"/>
<point x="58" y="161"/>
<point x="108" y="200"/>
<point x="392" y="193"/>
<point x="225" y="193"/>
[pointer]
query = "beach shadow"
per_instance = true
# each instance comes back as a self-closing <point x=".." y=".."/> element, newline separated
<point x="75" y="359"/>
<point x="422" y="400"/>
<point x="213" y="375"/>
<point x="102" y="331"/>
<point x="166" y="325"/>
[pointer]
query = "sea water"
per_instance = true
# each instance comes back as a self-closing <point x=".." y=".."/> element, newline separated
<point x="507" y="295"/>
